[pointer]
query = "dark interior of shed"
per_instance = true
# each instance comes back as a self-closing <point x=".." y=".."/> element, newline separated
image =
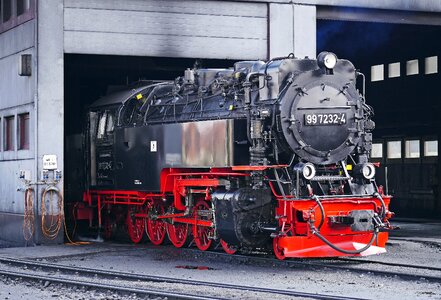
<point x="89" y="77"/>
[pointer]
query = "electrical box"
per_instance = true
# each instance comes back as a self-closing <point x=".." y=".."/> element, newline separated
<point x="45" y="175"/>
<point x="24" y="175"/>
<point x="58" y="175"/>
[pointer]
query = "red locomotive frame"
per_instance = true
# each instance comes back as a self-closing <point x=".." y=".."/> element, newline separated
<point x="305" y="225"/>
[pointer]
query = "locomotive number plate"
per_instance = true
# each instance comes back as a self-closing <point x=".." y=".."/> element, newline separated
<point x="325" y="119"/>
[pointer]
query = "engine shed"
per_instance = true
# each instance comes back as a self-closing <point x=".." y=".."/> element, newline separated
<point x="57" y="57"/>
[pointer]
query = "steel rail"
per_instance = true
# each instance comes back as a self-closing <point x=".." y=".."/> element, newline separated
<point x="104" y="286"/>
<point x="152" y="278"/>
<point x="365" y="261"/>
<point x="406" y="276"/>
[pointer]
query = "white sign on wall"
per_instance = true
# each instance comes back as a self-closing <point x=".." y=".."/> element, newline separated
<point x="50" y="162"/>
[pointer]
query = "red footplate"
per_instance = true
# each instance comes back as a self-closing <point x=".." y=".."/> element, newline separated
<point x="303" y="246"/>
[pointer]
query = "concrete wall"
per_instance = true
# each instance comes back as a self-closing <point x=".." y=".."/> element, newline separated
<point x="292" y="28"/>
<point x="50" y="91"/>
<point x="16" y="97"/>
<point x="44" y="103"/>
<point x="205" y="29"/>
<point x="202" y="29"/>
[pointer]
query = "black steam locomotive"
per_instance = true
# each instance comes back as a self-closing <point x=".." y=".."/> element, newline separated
<point x="265" y="152"/>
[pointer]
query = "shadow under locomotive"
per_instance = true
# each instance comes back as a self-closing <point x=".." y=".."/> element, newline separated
<point x="265" y="153"/>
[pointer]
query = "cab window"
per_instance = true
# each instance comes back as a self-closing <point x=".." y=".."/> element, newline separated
<point x="130" y="113"/>
<point x="106" y="124"/>
<point x="110" y="124"/>
<point x="102" y="126"/>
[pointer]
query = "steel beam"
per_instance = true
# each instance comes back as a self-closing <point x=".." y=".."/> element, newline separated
<point x="378" y="15"/>
<point x="407" y="5"/>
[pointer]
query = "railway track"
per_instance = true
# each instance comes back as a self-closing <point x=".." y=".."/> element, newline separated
<point x="38" y="268"/>
<point x="337" y="265"/>
<point x="366" y="261"/>
<point x="102" y="286"/>
<point x="356" y="265"/>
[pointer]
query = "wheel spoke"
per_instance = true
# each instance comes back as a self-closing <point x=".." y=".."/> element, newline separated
<point x="156" y="228"/>
<point x="202" y="233"/>
<point x="278" y="251"/>
<point x="135" y="226"/>
<point x="228" y="248"/>
<point x="178" y="234"/>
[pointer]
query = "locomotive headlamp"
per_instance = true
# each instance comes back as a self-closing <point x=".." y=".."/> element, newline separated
<point x="327" y="60"/>
<point x="368" y="171"/>
<point x="307" y="170"/>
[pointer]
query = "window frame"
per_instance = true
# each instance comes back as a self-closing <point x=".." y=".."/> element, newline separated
<point x="407" y="141"/>
<point x="391" y="70"/>
<point x="394" y="159"/>
<point x="424" y="148"/>
<point x="382" y="150"/>
<point x="15" y="20"/>
<point x="377" y="70"/>
<point x="101" y="126"/>
<point x="22" y="144"/>
<point x="428" y="68"/>
<point x="409" y="65"/>
<point x="9" y="136"/>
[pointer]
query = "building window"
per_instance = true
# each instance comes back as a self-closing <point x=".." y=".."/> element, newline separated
<point x="23" y="126"/>
<point x="430" y="148"/>
<point x="7" y="10"/>
<point x="394" y="70"/>
<point x="431" y="65"/>
<point x="412" y="67"/>
<point x="23" y="6"/>
<point x="377" y="73"/>
<point x="413" y="149"/>
<point x="394" y="149"/>
<point x="9" y="134"/>
<point x="377" y="150"/>
<point x="15" y="12"/>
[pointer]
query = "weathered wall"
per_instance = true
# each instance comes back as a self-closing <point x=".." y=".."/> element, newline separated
<point x="17" y="95"/>
<point x="50" y="90"/>
<point x="206" y="29"/>
<point x="292" y="29"/>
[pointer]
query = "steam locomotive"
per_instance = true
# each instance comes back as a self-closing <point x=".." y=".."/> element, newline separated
<point x="262" y="155"/>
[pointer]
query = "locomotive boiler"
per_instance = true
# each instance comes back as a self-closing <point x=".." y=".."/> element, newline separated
<point x="264" y="154"/>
